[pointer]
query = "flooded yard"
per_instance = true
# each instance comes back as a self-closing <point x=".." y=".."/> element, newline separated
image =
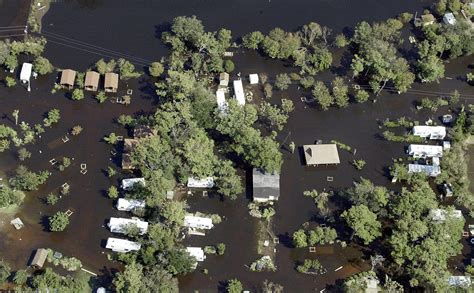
<point x="114" y="29"/>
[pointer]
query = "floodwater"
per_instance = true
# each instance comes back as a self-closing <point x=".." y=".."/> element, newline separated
<point x="129" y="29"/>
<point x="13" y="16"/>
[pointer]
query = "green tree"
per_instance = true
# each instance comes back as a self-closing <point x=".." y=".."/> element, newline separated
<point x="361" y="96"/>
<point x="228" y="182"/>
<point x="252" y="40"/>
<point x="52" y="117"/>
<point x="52" y="199"/>
<point x="130" y="280"/>
<point x="157" y="279"/>
<point x="23" y="154"/>
<point x="282" y="81"/>
<point x="77" y="94"/>
<point x="366" y="193"/>
<point x="341" y="41"/>
<point x="322" y="95"/>
<point x="363" y="222"/>
<point x="430" y="68"/>
<point x="220" y="248"/>
<point x="234" y="286"/>
<point x="340" y="92"/>
<point x="58" y="222"/>
<point x="307" y="82"/>
<point x="101" y="97"/>
<point x="112" y="138"/>
<point x="300" y="238"/>
<point x="5" y="271"/>
<point x="10" y="197"/>
<point x="127" y="69"/>
<point x="156" y="69"/>
<point x="27" y="180"/>
<point x="20" y="278"/>
<point x="42" y="66"/>
<point x="76" y="130"/>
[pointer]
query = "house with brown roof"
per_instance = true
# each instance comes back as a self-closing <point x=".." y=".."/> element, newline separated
<point x="68" y="76"/>
<point x="111" y="82"/>
<point x="92" y="81"/>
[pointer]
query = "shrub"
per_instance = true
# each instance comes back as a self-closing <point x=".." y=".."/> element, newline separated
<point x="112" y="192"/>
<point x="220" y="248"/>
<point x="101" y="97"/>
<point x="282" y="81"/>
<point x="76" y="130"/>
<point x="23" y="154"/>
<point x="156" y="69"/>
<point x="361" y="96"/>
<point x="359" y="164"/>
<point x="229" y="66"/>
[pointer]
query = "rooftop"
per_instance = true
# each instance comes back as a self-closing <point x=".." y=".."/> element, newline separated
<point x="321" y="154"/>
<point x="266" y="186"/>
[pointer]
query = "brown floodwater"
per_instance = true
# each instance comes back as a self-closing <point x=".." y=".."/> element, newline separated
<point x="123" y="29"/>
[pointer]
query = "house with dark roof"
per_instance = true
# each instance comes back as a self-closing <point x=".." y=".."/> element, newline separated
<point x="266" y="186"/>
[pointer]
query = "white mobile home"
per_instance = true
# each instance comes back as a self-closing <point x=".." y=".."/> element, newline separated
<point x="431" y="132"/>
<point x="25" y="73"/>
<point x="425" y="151"/>
<point x="460" y="281"/>
<point x="119" y="225"/>
<point x="221" y="102"/>
<point x="197" y="253"/>
<point x="239" y="92"/>
<point x="439" y="215"/>
<point x="130" y="182"/>
<point x="129" y="204"/>
<point x="122" y="245"/>
<point x="430" y="170"/>
<point x="201" y="183"/>
<point x="194" y="222"/>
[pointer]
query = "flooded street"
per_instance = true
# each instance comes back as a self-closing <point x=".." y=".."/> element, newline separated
<point x="81" y="32"/>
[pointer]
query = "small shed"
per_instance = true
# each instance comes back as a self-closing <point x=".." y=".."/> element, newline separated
<point x="111" y="82"/>
<point x="266" y="186"/>
<point x="224" y="79"/>
<point x="253" y="78"/>
<point x="25" y="73"/>
<point x="68" y="76"/>
<point x="122" y="245"/>
<point x="92" y="81"/>
<point x="201" y="183"/>
<point x="39" y="258"/>
<point x="128" y="205"/>
<point x="239" y="92"/>
<point x="449" y="18"/>
<point x="321" y="154"/>
<point x="130" y="182"/>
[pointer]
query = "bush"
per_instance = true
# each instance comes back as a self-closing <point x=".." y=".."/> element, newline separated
<point x="229" y="66"/>
<point x="112" y="192"/>
<point x="126" y="120"/>
<point x="5" y="272"/>
<point x="112" y="138"/>
<point x="307" y="82"/>
<point x="361" y="96"/>
<point x="101" y="97"/>
<point x="52" y="199"/>
<point x="10" y="81"/>
<point x="234" y="286"/>
<point x="282" y="81"/>
<point x="359" y="164"/>
<point x="76" y="130"/>
<point x="111" y="172"/>
<point x="220" y="248"/>
<point x="156" y="69"/>
<point x="20" y="278"/>
<point x="77" y="94"/>
<point x="23" y="154"/>
<point x="341" y="41"/>
<point x="58" y="222"/>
